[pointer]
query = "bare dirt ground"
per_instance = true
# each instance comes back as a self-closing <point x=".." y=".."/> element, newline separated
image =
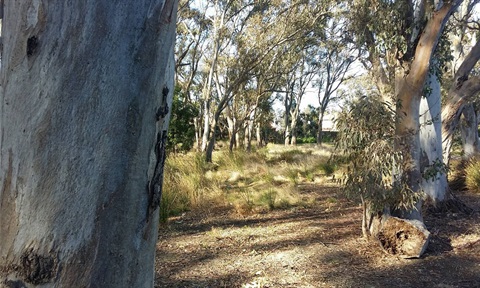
<point x="315" y="246"/>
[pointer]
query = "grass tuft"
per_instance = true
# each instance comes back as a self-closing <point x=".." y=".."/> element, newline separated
<point x="472" y="175"/>
<point x="242" y="181"/>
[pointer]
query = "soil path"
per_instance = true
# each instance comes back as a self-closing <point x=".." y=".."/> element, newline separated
<point x="316" y="246"/>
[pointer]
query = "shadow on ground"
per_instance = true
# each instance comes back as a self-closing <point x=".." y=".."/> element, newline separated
<point x="312" y="247"/>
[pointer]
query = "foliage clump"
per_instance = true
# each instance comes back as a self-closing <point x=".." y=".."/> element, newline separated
<point x="366" y="142"/>
<point x="181" y="132"/>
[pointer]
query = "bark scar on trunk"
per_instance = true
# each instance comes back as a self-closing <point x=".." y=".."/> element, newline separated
<point x="32" y="45"/>
<point x="163" y="109"/>
<point x="38" y="269"/>
<point x="154" y="186"/>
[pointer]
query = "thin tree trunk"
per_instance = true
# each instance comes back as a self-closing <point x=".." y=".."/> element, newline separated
<point x="258" y="133"/>
<point x="320" y="127"/>
<point x="207" y="89"/>
<point x="196" y="125"/>
<point x="293" y="128"/>
<point x="287" y="135"/>
<point x="206" y="124"/>
<point x="211" y="144"/>
<point x="232" y="128"/>
<point x="86" y="89"/>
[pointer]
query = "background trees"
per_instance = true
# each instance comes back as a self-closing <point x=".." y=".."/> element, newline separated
<point x="278" y="50"/>
<point x="250" y="53"/>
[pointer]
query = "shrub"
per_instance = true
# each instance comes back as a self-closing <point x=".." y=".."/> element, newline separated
<point x="366" y="141"/>
<point x="306" y="140"/>
<point x="181" y="132"/>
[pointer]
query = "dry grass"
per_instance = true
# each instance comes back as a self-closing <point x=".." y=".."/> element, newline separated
<point x="472" y="175"/>
<point x="246" y="182"/>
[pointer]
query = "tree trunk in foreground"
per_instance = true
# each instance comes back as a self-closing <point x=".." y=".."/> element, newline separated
<point x="86" y="91"/>
<point x="409" y="90"/>
<point x="409" y="83"/>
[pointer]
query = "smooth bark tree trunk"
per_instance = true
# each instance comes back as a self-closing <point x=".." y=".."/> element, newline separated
<point x="258" y="133"/>
<point x="434" y="182"/>
<point x="409" y="87"/>
<point x="320" y="126"/>
<point x="232" y="129"/>
<point x="464" y="88"/>
<point x="86" y="89"/>
<point x="211" y="141"/>
<point x="206" y="124"/>
<point x="287" y="136"/>
<point x="294" y="139"/>
<point x="293" y="126"/>
<point x="469" y="132"/>
<point x="197" y="133"/>
<point x="248" y="135"/>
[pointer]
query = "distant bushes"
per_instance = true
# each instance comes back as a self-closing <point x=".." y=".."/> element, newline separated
<point x="181" y="132"/>
<point x="327" y="137"/>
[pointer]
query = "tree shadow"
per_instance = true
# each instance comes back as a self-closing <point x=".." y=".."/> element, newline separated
<point x="450" y="270"/>
<point x="325" y="232"/>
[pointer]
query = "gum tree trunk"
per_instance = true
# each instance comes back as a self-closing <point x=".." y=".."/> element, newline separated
<point x="409" y="90"/>
<point x="86" y="90"/>
<point x="434" y="182"/>
<point x="469" y="131"/>
<point x="463" y="90"/>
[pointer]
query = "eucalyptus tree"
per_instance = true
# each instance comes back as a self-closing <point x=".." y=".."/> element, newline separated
<point x="297" y="84"/>
<point x="193" y="28"/>
<point x="192" y="32"/>
<point x="433" y="117"/>
<point x="400" y="38"/>
<point x="240" y="55"/>
<point x="462" y="92"/>
<point x="86" y="88"/>
<point x="466" y="82"/>
<point x="334" y="59"/>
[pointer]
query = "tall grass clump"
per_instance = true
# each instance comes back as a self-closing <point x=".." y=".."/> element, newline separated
<point x="185" y="184"/>
<point x="232" y="160"/>
<point x="472" y="175"/>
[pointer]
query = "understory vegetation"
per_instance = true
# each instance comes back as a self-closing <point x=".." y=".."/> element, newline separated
<point x="472" y="175"/>
<point x="257" y="181"/>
